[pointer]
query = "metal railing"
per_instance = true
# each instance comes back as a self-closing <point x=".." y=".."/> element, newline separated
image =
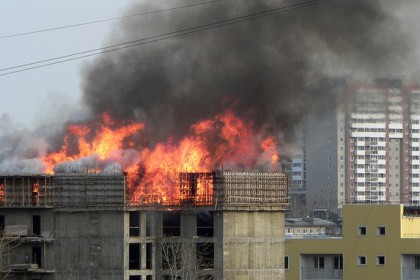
<point x="321" y="273"/>
<point x="410" y="273"/>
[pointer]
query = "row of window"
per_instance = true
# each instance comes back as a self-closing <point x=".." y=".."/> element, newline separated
<point x="362" y="231"/>
<point x="171" y="223"/>
<point x="362" y="260"/>
<point x="319" y="262"/>
<point x="139" y="277"/>
<point x="305" y="230"/>
<point x="365" y="129"/>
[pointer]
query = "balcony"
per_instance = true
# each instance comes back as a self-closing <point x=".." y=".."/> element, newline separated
<point x="323" y="273"/>
<point x="410" y="273"/>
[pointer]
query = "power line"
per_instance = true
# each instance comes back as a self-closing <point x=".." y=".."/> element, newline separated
<point x="104" y="20"/>
<point x="155" y="38"/>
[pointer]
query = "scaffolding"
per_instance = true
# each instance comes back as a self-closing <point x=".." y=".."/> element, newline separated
<point x="26" y="191"/>
<point x="93" y="191"/>
<point x="219" y="190"/>
<point x="252" y="190"/>
<point x="196" y="188"/>
<point x="223" y="190"/>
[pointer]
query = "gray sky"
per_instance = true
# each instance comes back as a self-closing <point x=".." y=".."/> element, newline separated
<point x="28" y="96"/>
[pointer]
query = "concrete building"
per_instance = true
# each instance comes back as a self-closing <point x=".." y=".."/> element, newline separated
<point x="296" y="170"/>
<point x="84" y="226"/>
<point x="321" y="165"/>
<point x="311" y="228"/>
<point x="378" y="242"/>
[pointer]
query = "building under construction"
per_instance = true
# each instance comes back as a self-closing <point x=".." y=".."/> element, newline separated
<point x="225" y="225"/>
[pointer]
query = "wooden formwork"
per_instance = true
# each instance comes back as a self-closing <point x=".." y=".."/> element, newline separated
<point x="196" y="188"/>
<point x="89" y="191"/>
<point x="25" y="191"/>
<point x="251" y="189"/>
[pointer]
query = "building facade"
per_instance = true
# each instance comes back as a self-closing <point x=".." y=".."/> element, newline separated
<point x="378" y="242"/>
<point x="84" y="226"/>
<point x="295" y="168"/>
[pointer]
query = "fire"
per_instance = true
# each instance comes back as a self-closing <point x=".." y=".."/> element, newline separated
<point x="105" y="142"/>
<point x="1" y="194"/>
<point x="153" y="177"/>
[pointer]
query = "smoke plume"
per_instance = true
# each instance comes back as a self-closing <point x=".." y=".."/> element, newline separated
<point x="267" y="69"/>
<point x="270" y="70"/>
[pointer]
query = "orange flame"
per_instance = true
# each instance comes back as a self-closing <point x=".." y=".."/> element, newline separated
<point x="153" y="176"/>
<point x="104" y="144"/>
<point x="1" y="194"/>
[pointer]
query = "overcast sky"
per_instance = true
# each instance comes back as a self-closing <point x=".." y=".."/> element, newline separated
<point x="26" y="96"/>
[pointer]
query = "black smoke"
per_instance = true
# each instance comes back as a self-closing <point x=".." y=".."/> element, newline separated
<point x="267" y="69"/>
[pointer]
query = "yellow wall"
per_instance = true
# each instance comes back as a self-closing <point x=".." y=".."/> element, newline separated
<point x="410" y="227"/>
<point x="352" y="245"/>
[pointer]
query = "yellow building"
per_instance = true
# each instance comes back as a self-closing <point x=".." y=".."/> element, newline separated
<point x="378" y="242"/>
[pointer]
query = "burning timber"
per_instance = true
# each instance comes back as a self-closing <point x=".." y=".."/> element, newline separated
<point x="218" y="190"/>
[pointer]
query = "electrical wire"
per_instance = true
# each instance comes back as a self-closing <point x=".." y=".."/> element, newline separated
<point x="155" y="38"/>
<point x="104" y="20"/>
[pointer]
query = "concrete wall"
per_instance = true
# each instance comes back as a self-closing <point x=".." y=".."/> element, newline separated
<point x="253" y="245"/>
<point x="89" y="245"/>
<point x="151" y="223"/>
<point x="21" y="220"/>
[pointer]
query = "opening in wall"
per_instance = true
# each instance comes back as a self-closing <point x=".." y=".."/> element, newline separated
<point x="171" y="223"/>
<point x="135" y="223"/>
<point x="134" y="256"/>
<point x="36" y="224"/>
<point x="36" y="255"/>
<point x="149" y="254"/>
<point x="205" y="224"/>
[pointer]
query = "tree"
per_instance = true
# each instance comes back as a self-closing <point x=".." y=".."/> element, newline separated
<point x="7" y="243"/>
<point x="187" y="259"/>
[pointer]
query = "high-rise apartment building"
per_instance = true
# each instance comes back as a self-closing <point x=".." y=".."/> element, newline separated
<point x="295" y="168"/>
<point x="368" y="149"/>
<point x="382" y="144"/>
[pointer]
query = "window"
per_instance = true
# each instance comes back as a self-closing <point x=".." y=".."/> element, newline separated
<point x="381" y="231"/>
<point x="417" y="262"/>
<point x="380" y="260"/>
<point x="135" y="223"/>
<point x="362" y="230"/>
<point x="361" y="260"/>
<point x="319" y="262"/>
<point x="286" y="262"/>
<point x="338" y="262"/>
<point x="135" y="277"/>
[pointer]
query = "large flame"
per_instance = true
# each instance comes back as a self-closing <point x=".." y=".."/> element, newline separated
<point x="153" y="175"/>
<point x="105" y="142"/>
